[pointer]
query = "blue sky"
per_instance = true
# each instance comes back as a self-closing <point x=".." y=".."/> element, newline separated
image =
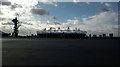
<point x="69" y="10"/>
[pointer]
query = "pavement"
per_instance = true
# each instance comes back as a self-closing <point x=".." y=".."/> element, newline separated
<point x="53" y="51"/>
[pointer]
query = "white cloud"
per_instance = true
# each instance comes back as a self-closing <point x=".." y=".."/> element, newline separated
<point x="108" y="5"/>
<point x="76" y="1"/>
<point x="104" y="22"/>
<point x="7" y="14"/>
<point x="25" y="3"/>
<point x="3" y="0"/>
<point x="88" y="3"/>
<point x="52" y="2"/>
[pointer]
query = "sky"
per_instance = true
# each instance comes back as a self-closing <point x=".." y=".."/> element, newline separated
<point x="81" y="9"/>
<point x="93" y="17"/>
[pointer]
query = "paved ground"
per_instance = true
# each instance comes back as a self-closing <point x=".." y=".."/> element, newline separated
<point x="60" y="51"/>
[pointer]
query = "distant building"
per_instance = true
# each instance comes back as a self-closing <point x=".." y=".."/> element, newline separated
<point x="104" y="35"/>
<point x="0" y="34"/>
<point x="100" y="36"/>
<point x="4" y="34"/>
<point x="111" y="35"/>
<point x="90" y="35"/>
<point x="94" y="36"/>
<point x="61" y="33"/>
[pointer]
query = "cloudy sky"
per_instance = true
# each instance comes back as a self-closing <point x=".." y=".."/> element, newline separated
<point x="93" y="17"/>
